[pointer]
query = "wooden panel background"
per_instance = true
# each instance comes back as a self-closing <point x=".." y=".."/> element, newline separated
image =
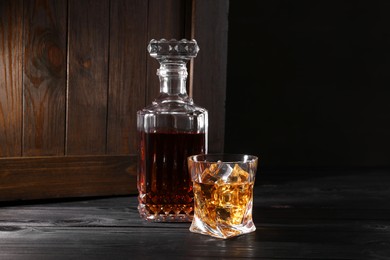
<point x="88" y="43"/>
<point x="209" y="68"/>
<point x="11" y="88"/>
<point x="72" y="76"/>
<point x="44" y="82"/>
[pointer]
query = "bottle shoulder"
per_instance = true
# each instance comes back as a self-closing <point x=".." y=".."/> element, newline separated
<point x="173" y="108"/>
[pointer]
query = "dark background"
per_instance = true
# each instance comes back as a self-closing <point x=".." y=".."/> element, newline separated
<point x="308" y="83"/>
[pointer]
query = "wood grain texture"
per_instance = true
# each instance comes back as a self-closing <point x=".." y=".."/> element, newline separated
<point x="209" y="67"/>
<point x="11" y="49"/>
<point x="44" y="77"/>
<point x="127" y="70"/>
<point x="72" y="76"/>
<point x="87" y="77"/>
<point x="317" y="215"/>
<point x="32" y="178"/>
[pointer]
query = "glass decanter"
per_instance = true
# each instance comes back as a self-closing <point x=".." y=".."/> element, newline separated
<point x="170" y="129"/>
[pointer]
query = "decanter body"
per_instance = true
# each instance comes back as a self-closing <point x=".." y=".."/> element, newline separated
<point x="170" y="129"/>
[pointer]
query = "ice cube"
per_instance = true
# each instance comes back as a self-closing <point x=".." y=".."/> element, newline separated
<point x="209" y="174"/>
<point x="224" y="173"/>
<point x="243" y="175"/>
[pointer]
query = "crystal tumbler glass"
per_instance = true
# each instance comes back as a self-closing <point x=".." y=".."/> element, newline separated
<point x="223" y="193"/>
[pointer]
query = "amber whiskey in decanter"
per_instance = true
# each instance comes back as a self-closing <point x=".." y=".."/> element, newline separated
<point x="172" y="128"/>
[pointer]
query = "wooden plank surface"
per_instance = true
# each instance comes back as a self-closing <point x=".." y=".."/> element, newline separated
<point x="11" y="55"/>
<point x="317" y="215"/>
<point x="209" y="67"/>
<point x="72" y="76"/>
<point x="88" y="77"/>
<point x="127" y="70"/>
<point x="30" y="178"/>
<point x="44" y="77"/>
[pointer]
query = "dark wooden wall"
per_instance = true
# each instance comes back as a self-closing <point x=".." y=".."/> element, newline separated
<point x="72" y="76"/>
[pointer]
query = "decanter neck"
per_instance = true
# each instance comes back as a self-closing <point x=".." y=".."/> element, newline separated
<point x="173" y="76"/>
<point x="173" y="56"/>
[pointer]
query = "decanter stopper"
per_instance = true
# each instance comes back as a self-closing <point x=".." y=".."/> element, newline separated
<point x="173" y="50"/>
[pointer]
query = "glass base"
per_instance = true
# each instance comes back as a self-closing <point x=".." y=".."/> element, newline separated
<point x="166" y="213"/>
<point x="221" y="230"/>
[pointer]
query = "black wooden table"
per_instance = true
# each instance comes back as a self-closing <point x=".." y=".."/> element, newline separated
<point x="342" y="214"/>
